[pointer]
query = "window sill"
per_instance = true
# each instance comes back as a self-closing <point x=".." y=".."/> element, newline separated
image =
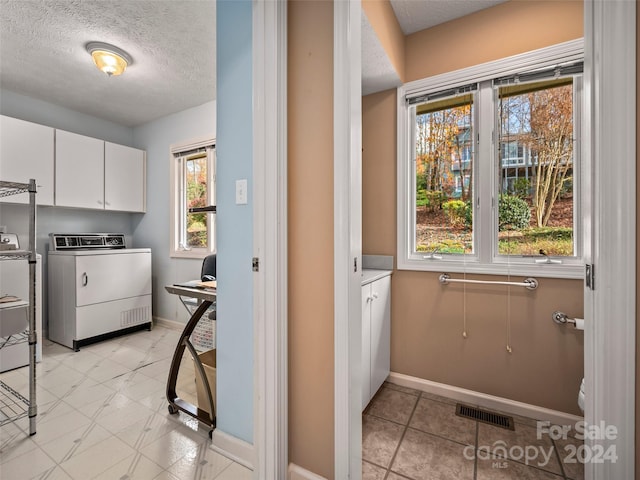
<point x="574" y="271"/>
<point x="193" y="254"/>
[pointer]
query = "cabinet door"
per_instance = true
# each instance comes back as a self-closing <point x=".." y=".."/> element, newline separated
<point x="79" y="171"/>
<point x="366" y="345"/>
<point x="380" y="332"/>
<point x="124" y="178"/>
<point x="103" y="278"/>
<point x="26" y="152"/>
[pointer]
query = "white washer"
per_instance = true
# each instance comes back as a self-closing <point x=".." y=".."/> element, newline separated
<point x="97" y="288"/>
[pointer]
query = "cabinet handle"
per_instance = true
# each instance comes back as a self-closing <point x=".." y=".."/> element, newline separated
<point x="85" y="279"/>
<point x="375" y="295"/>
<point x="107" y="203"/>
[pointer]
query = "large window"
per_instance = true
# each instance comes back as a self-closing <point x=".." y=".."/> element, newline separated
<point x="489" y="168"/>
<point x="193" y="183"/>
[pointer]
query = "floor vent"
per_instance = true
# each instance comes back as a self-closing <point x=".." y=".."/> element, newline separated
<point x="485" y="416"/>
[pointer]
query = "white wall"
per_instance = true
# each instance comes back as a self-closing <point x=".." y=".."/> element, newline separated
<point x="152" y="229"/>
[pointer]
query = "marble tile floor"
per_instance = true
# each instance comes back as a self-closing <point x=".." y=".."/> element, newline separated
<point x="412" y="435"/>
<point x="102" y="414"/>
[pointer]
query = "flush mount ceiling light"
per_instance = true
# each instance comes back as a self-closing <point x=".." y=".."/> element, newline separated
<point x="108" y="58"/>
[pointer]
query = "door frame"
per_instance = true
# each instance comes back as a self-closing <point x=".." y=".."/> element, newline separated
<point x="610" y="309"/>
<point x="347" y="186"/>
<point x="270" y="239"/>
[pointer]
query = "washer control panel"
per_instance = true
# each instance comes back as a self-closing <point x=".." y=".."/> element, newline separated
<point x="86" y="241"/>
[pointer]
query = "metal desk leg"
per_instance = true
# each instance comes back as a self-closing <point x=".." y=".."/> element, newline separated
<point x="176" y="403"/>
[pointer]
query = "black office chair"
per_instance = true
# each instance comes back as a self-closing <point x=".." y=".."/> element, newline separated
<point x="208" y="272"/>
<point x="204" y="331"/>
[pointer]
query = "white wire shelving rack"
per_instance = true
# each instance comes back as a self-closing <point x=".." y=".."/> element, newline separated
<point x="13" y="405"/>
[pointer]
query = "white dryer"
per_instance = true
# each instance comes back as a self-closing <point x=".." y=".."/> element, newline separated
<point x="98" y="288"/>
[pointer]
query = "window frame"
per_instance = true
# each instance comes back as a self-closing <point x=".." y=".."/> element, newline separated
<point x="485" y="259"/>
<point x="178" y="202"/>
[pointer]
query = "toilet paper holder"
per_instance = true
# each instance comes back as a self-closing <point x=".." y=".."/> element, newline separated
<point x="562" y="318"/>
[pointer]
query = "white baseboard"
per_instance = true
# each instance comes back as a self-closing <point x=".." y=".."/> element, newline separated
<point x="298" y="473"/>
<point x="484" y="400"/>
<point x="231" y="447"/>
<point x="172" y="324"/>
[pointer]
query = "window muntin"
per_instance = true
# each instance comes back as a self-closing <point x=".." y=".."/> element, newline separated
<point x="193" y="226"/>
<point x="545" y="65"/>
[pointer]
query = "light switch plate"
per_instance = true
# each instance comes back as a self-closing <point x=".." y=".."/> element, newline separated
<point x="241" y="192"/>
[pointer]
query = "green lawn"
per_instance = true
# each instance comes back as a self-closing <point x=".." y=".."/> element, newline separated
<point x="554" y="241"/>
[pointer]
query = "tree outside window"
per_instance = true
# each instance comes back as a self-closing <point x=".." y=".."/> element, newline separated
<point x="538" y="119"/>
<point x="196" y="183"/>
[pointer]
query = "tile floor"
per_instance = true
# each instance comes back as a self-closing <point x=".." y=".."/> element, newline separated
<point x="407" y="434"/>
<point x="102" y="413"/>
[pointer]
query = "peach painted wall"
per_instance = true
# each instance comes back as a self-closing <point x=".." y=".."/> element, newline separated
<point x="546" y="365"/>
<point x="506" y="29"/>
<point x="384" y="22"/>
<point x="310" y="235"/>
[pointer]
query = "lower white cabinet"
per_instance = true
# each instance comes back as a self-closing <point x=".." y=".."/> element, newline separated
<point x="376" y="334"/>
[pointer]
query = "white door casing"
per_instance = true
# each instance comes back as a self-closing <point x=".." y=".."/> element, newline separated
<point x="270" y="239"/>
<point x="347" y="165"/>
<point x="610" y="316"/>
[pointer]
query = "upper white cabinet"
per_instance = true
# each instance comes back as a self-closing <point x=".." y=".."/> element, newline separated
<point x="71" y="170"/>
<point x="26" y="151"/>
<point x="92" y="173"/>
<point x="124" y="178"/>
<point x="79" y="171"/>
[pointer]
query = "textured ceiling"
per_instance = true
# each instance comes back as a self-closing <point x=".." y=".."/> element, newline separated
<point x="378" y="73"/>
<point x="414" y="15"/>
<point x="42" y="55"/>
<point x="172" y="42"/>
